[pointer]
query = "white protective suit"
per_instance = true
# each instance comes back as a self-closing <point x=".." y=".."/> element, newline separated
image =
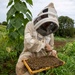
<point x="34" y="43"/>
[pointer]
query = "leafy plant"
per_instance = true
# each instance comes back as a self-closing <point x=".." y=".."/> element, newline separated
<point x="17" y="17"/>
<point x="9" y="56"/>
<point x="67" y="55"/>
<point x="66" y="28"/>
<point x="10" y="47"/>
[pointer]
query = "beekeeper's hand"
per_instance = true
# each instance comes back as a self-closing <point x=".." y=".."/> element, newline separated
<point x="48" y="47"/>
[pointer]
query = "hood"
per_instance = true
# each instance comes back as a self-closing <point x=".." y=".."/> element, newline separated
<point x="48" y="14"/>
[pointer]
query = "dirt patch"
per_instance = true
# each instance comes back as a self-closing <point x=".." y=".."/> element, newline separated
<point x="43" y="62"/>
<point x="59" y="44"/>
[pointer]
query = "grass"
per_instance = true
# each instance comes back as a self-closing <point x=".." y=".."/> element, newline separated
<point x="3" y="37"/>
<point x="2" y="31"/>
<point x="8" y="56"/>
<point x="2" y="28"/>
<point x="64" y="39"/>
<point x="67" y="55"/>
<point x="60" y="38"/>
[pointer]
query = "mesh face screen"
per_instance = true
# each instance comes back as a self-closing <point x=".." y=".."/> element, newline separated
<point x="47" y="28"/>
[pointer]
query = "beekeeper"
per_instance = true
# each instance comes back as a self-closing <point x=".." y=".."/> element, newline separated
<point x="39" y="39"/>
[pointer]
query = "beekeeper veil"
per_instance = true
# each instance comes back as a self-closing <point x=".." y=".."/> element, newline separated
<point x="46" y="21"/>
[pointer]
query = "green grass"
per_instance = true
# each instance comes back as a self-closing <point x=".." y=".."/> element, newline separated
<point x="8" y="56"/>
<point x="3" y="31"/>
<point x="64" y="39"/>
<point x="3" y="37"/>
<point x="2" y="28"/>
<point x="67" y="55"/>
<point x="59" y="38"/>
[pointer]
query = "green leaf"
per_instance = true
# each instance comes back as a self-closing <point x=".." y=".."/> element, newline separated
<point x="25" y="21"/>
<point x="21" y="6"/>
<point x="9" y="26"/>
<point x="28" y="16"/>
<point x="29" y="2"/>
<point x="11" y="12"/>
<point x="17" y="21"/>
<point x="29" y="12"/>
<point x="15" y="1"/>
<point x="14" y="35"/>
<point x="10" y="2"/>
<point x="21" y="30"/>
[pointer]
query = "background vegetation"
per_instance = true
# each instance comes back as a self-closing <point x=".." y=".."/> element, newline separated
<point x="17" y="17"/>
<point x="66" y="28"/>
<point x="9" y="56"/>
<point x="3" y="23"/>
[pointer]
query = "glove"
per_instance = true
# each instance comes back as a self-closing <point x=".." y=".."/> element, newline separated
<point x="48" y="47"/>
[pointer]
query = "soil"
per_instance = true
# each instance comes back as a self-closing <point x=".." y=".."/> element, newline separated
<point x="43" y="62"/>
<point x="58" y="44"/>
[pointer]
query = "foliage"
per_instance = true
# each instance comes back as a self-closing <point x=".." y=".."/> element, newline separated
<point x="17" y="17"/>
<point x="60" y="38"/>
<point x="8" y="56"/>
<point x="2" y="29"/>
<point x="66" y="27"/>
<point x="8" y="62"/>
<point x="67" y="39"/>
<point x="0" y="23"/>
<point x="69" y="49"/>
<point x="4" y="23"/>
<point x="10" y="47"/>
<point x="67" y="54"/>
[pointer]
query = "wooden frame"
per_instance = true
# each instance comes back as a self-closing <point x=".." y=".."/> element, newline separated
<point x="36" y="71"/>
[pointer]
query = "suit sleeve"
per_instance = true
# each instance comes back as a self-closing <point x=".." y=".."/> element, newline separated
<point x="52" y="40"/>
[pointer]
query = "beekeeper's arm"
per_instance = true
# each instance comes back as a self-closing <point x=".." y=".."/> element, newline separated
<point x="50" y="45"/>
<point x="31" y="43"/>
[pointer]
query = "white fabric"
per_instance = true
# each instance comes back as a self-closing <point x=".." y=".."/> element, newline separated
<point x="32" y="40"/>
<point x="52" y="16"/>
<point x="50" y="13"/>
<point x="26" y="73"/>
<point x="50" y="19"/>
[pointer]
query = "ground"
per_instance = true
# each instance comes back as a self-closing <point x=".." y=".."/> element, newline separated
<point x="59" y="44"/>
